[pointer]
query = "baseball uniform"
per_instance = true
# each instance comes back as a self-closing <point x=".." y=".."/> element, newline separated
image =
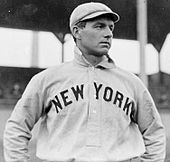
<point x="87" y="114"/>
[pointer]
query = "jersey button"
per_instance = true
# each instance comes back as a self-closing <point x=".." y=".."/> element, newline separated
<point x="94" y="111"/>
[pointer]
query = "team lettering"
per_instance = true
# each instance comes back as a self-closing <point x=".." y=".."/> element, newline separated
<point x="109" y="95"/>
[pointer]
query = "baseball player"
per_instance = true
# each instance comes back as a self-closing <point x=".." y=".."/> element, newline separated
<point x="89" y="109"/>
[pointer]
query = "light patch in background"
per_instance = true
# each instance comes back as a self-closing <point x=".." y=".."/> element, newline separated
<point x="152" y="63"/>
<point x="15" y="47"/>
<point x="49" y="50"/>
<point x="126" y="55"/>
<point x="69" y="48"/>
<point x="165" y="56"/>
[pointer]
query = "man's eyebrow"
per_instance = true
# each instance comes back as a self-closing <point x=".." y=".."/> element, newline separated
<point x="99" y="22"/>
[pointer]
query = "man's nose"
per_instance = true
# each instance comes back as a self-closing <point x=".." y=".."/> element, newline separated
<point x="108" y="33"/>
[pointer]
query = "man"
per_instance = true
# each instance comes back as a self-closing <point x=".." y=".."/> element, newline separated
<point x="89" y="109"/>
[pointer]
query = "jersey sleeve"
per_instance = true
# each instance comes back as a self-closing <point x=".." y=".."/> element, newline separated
<point x="151" y="127"/>
<point x="18" y="128"/>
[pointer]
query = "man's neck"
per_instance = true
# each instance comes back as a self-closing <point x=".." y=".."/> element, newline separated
<point x="92" y="59"/>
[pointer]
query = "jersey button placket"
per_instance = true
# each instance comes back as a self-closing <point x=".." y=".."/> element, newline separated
<point x="93" y="126"/>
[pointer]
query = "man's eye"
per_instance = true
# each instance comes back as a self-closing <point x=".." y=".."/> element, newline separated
<point x="98" y="26"/>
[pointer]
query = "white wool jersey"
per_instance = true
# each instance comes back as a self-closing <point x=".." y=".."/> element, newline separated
<point x="87" y="114"/>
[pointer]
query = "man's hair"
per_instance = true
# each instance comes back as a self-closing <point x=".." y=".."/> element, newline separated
<point x="80" y="25"/>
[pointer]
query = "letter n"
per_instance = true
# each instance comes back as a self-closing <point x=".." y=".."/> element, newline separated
<point x="57" y="104"/>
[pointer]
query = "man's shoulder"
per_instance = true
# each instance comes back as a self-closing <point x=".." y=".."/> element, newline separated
<point x="127" y="74"/>
<point x="54" y="71"/>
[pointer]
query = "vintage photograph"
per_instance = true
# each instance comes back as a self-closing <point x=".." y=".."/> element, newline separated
<point x="84" y="81"/>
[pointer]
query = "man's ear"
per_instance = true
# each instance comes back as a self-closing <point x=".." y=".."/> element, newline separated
<point x="76" y="32"/>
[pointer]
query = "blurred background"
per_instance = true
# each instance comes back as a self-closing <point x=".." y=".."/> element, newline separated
<point x="34" y="35"/>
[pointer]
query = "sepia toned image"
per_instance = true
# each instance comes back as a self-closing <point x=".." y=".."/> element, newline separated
<point x="84" y="81"/>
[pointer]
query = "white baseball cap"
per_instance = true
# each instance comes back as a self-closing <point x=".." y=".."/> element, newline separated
<point x="91" y="10"/>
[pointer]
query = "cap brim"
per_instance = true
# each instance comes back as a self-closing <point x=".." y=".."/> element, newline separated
<point x="114" y="16"/>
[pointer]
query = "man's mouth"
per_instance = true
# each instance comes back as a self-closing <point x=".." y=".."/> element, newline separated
<point x="105" y="43"/>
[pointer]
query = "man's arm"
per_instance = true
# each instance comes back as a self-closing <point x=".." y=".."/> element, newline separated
<point x="18" y="128"/>
<point x="151" y="127"/>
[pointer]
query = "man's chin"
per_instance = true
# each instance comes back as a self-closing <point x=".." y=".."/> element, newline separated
<point x="101" y="52"/>
<point x="104" y="51"/>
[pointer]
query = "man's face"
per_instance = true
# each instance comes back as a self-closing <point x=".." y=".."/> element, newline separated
<point x="96" y="36"/>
